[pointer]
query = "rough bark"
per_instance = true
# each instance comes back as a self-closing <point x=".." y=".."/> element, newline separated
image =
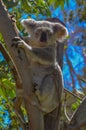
<point x="78" y="120"/>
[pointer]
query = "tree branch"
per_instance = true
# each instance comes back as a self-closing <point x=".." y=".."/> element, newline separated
<point x="11" y="65"/>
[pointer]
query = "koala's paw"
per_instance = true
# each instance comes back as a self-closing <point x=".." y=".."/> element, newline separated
<point x="13" y="17"/>
<point x="17" y="42"/>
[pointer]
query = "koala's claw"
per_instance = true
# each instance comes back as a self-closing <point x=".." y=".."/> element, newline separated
<point x="16" y="42"/>
<point x="13" y="17"/>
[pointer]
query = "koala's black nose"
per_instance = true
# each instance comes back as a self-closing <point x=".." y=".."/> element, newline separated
<point x="43" y="37"/>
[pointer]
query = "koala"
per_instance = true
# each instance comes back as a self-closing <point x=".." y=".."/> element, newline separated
<point x="40" y="50"/>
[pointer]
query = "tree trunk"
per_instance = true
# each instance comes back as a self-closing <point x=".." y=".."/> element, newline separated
<point x="78" y="120"/>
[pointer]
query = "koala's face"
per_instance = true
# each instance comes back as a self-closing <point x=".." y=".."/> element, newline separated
<point x="45" y="33"/>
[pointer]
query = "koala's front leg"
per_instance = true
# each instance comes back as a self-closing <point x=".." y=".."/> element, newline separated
<point x="18" y="42"/>
<point x="30" y="52"/>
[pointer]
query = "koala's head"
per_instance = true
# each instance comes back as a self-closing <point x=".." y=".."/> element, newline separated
<point x="45" y="33"/>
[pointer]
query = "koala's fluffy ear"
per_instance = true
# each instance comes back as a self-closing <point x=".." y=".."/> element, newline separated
<point x="28" y="24"/>
<point x="61" y="32"/>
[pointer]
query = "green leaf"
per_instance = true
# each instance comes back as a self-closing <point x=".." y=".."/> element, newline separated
<point x="2" y="93"/>
<point x="3" y="75"/>
<point x="75" y="105"/>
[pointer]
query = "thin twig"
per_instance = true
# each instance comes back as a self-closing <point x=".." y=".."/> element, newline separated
<point x="66" y="90"/>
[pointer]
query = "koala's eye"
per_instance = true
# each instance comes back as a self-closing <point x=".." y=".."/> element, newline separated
<point x="36" y="32"/>
<point x="50" y="33"/>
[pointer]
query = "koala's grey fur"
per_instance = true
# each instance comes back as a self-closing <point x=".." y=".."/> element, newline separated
<point x="41" y="53"/>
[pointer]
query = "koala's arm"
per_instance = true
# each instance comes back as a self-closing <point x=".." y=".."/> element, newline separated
<point x="41" y="55"/>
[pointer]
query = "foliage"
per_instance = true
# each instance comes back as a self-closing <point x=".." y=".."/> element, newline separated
<point x="75" y="105"/>
<point x="6" y="81"/>
<point x="8" y="117"/>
